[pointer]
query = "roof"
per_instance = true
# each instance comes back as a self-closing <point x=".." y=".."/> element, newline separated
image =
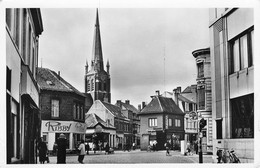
<point x="184" y="99"/>
<point x="161" y="104"/>
<point x="92" y="120"/>
<point x="115" y="110"/>
<point x="129" y="107"/>
<point x="50" y="80"/>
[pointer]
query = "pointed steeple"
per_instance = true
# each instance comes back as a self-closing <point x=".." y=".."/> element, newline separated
<point x="86" y="67"/>
<point x="108" y="66"/>
<point x="97" y="56"/>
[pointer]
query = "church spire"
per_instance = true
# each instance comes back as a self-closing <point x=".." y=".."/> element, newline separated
<point x="97" y="56"/>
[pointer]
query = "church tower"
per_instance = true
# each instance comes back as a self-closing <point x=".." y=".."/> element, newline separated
<point x="97" y="80"/>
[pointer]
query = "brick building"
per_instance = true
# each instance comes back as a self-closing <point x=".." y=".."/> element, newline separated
<point x="23" y="28"/>
<point x="131" y="112"/>
<point x="62" y="109"/>
<point x="161" y="120"/>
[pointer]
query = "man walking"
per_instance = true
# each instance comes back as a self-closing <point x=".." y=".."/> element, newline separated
<point x="167" y="146"/>
<point x="82" y="151"/>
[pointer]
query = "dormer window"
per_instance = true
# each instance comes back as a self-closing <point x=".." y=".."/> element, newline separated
<point x="49" y="82"/>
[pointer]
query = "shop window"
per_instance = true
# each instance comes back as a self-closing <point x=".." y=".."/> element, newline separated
<point x="152" y="122"/>
<point x="243" y="117"/>
<point x="242" y="51"/>
<point x="55" y="110"/>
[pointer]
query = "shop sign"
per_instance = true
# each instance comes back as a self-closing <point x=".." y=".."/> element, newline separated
<point x="62" y="126"/>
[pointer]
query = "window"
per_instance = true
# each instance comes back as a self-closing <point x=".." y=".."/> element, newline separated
<point x="17" y="27"/>
<point x="242" y="51"/>
<point x="9" y="16"/>
<point x="219" y="129"/>
<point x="170" y="122"/>
<point x="243" y="117"/>
<point x="8" y="79"/>
<point x="200" y="70"/>
<point x="24" y="34"/>
<point x="88" y="85"/>
<point x="201" y="97"/>
<point x="152" y="122"/>
<point x="177" y="123"/>
<point x="55" y="108"/>
<point x="92" y="83"/>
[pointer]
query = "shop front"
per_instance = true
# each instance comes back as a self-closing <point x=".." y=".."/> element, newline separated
<point x="99" y="135"/>
<point x="74" y="132"/>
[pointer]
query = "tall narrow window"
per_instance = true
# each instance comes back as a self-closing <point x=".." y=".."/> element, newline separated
<point x="9" y="18"/>
<point x="92" y="84"/>
<point x="200" y="70"/>
<point x="244" y="52"/>
<point x="24" y="34"/>
<point x="219" y="129"/>
<point x="201" y="97"/>
<point x="17" y="28"/>
<point x="55" y="108"/>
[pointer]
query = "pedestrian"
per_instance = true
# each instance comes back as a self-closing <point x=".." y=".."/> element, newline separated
<point x="100" y="147"/>
<point x="42" y="147"/>
<point x="133" y="146"/>
<point x="82" y="151"/>
<point x="196" y="146"/>
<point x="54" y="149"/>
<point x="107" y="149"/>
<point x="61" y="146"/>
<point x="87" y="148"/>
<point x="94" y="147"/>
<point x="167" y="146"/>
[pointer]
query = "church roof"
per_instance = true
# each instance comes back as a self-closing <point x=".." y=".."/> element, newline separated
<point x="50" y="80"/>
<point x="161" y="104"/>
<point x="92" y="120"/>
<point x="115" y="110"/>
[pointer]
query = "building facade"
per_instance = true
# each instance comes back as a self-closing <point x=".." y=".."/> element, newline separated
<point x="62" y="110"/>
<point x="97" y="80"/>
<point x="204" y="95"/>
<point x="131" y="112"/>
<point x="161" y="120"/>
<point x="113" y="117"/>
<point x="23" y="28"/>
<point x="232" y="73"/>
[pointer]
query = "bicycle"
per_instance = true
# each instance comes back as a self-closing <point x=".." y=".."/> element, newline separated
<point x="227" y="156"/>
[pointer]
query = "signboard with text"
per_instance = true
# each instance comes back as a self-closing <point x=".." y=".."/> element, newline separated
<point x="63" y="126"/>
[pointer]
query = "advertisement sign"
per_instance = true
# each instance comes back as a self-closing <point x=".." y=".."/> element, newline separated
<point x="63" y="126"/>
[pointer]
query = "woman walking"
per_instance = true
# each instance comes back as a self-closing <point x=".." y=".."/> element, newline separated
<point x="42" y="147"/>
<point x="82" y="151"/>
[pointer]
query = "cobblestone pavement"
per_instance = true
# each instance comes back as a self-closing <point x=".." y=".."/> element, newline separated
<point x="136" y="156"/>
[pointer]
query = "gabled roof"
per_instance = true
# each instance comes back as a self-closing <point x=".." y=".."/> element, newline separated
<point x="115" y="110"/>
<point x="129" y="107"/>
<point x="184" y="99"/>
<point x="92" y="120"/>
<point x="161" y="104"/>
<point x="50" y="80"/>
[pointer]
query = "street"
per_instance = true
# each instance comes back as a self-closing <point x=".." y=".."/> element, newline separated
<point x="136" y="156"/>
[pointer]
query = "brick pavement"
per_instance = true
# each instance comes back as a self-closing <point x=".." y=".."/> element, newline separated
<point x="136" y="157"/>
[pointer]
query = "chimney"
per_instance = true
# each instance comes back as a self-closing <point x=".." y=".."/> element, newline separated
<point x="59" y="75"/>
<point x="157" y="92"/>
<point x="139" y="107"/>
<point x="118" y="102"/>
<point x="176" y="93"/>
<point x="143" y="105"/>
<point x="127" y="102"/>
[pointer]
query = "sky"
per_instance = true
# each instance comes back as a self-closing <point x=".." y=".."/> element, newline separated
<point x="148" y="49"/>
